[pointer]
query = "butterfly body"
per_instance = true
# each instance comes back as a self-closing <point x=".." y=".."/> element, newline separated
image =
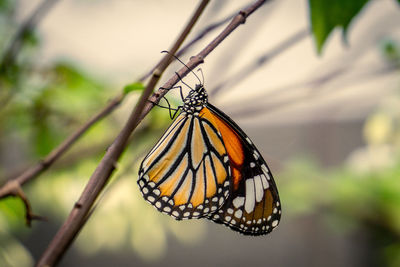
<point x="204" y="166"/>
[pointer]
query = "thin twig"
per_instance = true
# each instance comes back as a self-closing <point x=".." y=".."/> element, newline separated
<point x="75" y="220"/>
<point x="9" y="188"/>
<point x="82" y="207"/>
<point x="197" y="38"/>
<point x="309" y="93"/>
<point x="260" y="61"/>
<point x="56" y="153"/>
<point x="36" y="170"/>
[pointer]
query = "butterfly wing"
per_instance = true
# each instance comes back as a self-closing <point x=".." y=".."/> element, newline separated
<point x="253" y="206"/>
<point x="186" y="174"/>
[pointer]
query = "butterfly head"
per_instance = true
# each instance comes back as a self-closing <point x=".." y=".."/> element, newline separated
<point x="196" y="99"/>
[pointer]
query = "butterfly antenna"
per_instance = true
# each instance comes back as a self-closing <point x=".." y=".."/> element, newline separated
<point x="165" y="51"/>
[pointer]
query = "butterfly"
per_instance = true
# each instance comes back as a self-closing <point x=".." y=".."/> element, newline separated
<point x="205" y="166"/>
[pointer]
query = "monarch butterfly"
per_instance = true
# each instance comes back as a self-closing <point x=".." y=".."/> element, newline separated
<point x="205" y="166"/>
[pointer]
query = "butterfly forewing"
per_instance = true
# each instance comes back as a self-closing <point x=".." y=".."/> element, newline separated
<point x="253" y="206"/>
<point x="186" y="174"/>
<point x="205" y="166"/>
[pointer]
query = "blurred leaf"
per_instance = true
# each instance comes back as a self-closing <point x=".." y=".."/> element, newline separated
<point x="391" y="52"/>
<point x="63" y="104"/>
<point x="30" y="37"/>
<point x="45" y="134"/>
<point x="326" y="15"/>
<point x="136" y="86"/>
<point x="392" y="254"/>
<point x="13" y="210"/>
<point x="300" y="186"/>
<point x="6" y="5"/>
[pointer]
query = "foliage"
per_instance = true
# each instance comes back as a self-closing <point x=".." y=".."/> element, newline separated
<point x="136" y="86"/>
<point x="43" y="105"/>
<point x="325" y="16"/>
<point x="365" y="193"/>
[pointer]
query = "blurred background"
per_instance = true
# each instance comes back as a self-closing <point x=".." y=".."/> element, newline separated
<point x="325" y="113"/>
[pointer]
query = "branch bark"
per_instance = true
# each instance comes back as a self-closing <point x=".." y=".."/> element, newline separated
<point x="99" y="178"/>
<point x="10" y="187"/>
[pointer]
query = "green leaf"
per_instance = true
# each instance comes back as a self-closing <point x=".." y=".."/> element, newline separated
<point x="136" y="86"/>
<point x="326" y="15"/>
<point x="7" y="5"/>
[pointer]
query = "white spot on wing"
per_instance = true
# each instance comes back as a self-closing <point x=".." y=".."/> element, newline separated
<point x="265" y="169"/>
<point x="238" y="214"/>
<point x="250" y="194"/>
<point x="264" y="181"/>
<point x="238" y="202"/>
<point x="259" y="188"/>
<point x="167" y="209"/>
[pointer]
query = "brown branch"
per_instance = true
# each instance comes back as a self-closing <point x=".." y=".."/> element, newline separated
<point x="34" y="171"/>
<point x="81" y="209"/>
<point x="56" y="153"/>
<point x="9" y="188"/>
<point x="75" y="220"/>
<point x="17" y="191"/>
<point x="197" y="38"/>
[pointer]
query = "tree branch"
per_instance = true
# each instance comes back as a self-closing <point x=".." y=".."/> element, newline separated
<point x="197" y="38"/>
<point x="81" y="209"/>
<point x="8" y="188"/>
<point x="259" y="61"/>
<point x="75" y="220"/>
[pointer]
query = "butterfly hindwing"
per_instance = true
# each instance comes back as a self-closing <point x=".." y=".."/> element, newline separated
<point x="253" y="206"/>
<point x="186" y="174"/>
<point x="205" y="166"/>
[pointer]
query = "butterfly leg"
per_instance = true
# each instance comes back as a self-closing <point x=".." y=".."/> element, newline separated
<point x="176" y="87"/>
<point x="169" y="107"/>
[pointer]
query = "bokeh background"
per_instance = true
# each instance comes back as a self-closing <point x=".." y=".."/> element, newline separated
<point x="327" y="122"/>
